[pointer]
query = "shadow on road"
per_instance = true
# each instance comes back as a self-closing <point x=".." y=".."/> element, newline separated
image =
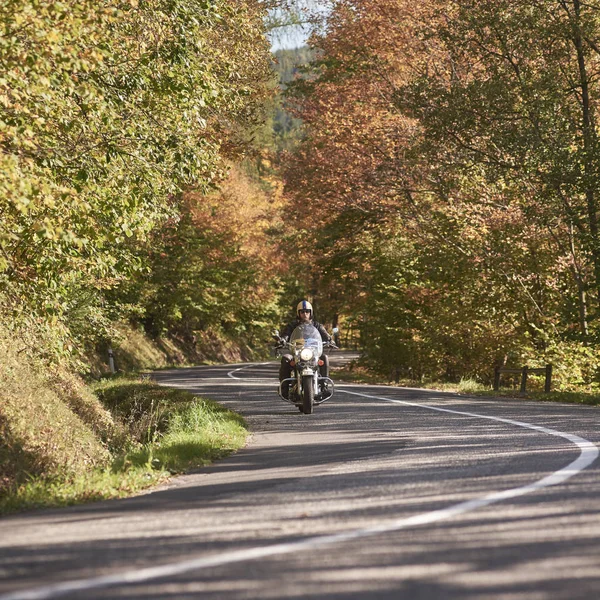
<point x="352" y="464"/>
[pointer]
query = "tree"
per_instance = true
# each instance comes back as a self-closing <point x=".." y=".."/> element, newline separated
<point x="216" y="268"/>
<point x="106" y="115"/>
<point x="515" y="97"/>
<point x="420" y="148"/>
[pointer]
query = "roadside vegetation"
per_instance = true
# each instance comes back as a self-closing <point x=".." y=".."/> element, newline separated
<point x="136" y="215"/>
<point x="450" y="165"/>
<point x="357" y="373"/>
<point x="428" y="180"/>
<point x="63" y="442"/>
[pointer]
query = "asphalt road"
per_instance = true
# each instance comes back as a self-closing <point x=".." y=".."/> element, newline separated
<point x="381" y="493"/>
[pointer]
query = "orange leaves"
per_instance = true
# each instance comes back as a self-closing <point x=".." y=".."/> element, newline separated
<point x="419" y="176"/>
<point x="356" y="136"/>
<point x="241" y="213"/>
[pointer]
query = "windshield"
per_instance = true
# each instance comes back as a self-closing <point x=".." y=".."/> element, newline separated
<point x="305" y="331"/>
<point x="307" y="336"/>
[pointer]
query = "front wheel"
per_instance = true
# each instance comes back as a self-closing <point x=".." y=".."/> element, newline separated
<point x="308" y="394"/>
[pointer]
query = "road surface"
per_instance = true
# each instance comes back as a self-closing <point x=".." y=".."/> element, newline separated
<point x="382" y="493"/>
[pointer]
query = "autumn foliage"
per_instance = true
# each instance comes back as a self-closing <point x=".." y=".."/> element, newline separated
<point x="214" y="268"/>
<point x="450" y="169"/>
<point x="109" y="114"/>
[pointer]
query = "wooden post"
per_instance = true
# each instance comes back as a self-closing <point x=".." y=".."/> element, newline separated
<point x="496" y="378"/>
<point x="524" y="379"/>
<point x="111" y="360"/>
<point x="548" y="379"/>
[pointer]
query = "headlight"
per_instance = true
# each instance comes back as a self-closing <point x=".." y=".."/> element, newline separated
<point x="307" y="354"/>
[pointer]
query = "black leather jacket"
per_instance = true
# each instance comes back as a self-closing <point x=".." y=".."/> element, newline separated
<point x="289" y="328"/>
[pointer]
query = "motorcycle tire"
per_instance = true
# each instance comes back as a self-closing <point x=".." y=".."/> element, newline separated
<point x="308" y="395"/>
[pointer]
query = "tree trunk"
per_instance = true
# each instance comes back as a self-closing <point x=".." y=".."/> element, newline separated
<point x="581" y="291"/>
<point x="589" y="141"/>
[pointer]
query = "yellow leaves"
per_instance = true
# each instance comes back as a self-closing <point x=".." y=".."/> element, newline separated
<point x="48" y="229"/>
<point x="53" y="36"/>
<point x="19" y="19"/>
<point x="21" y="203"/>
<point x="49" y="202"/>
<point x="96" y="55"/>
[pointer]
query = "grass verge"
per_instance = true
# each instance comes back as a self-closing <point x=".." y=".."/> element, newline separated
<point x="587" y="398"/>
<point x="171" y="431"/>
<point x="360" y="374"/>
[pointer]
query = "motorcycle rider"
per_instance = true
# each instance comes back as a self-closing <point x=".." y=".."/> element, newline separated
<point x="304" y="314"/>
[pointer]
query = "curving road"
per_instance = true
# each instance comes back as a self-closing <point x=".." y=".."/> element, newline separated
<point x="382" y="493"/>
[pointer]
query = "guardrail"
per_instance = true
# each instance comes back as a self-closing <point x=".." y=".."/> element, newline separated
<point x="524" y="371"/>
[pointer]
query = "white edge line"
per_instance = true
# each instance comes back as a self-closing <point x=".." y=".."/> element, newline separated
<point x="230" y="374"/>
<point x="589" y="453"/>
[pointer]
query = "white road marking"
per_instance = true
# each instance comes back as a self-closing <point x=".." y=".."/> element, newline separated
<point x="588" y="454"/>
<point x="589" y="451"/>
<point x="230" y="374"/>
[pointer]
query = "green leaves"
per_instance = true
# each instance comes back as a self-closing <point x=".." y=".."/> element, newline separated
<point x="451" y="169"/>
<point x="107" y="113"/>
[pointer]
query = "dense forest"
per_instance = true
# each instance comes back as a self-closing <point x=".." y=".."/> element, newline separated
<point x="450" y="168"/>
<point x="124" y="134"/>
<point x="132" y="213"/>
<point x="289" y="66"/>
<point x="427" y="175"/>
<point x="437" y="167"/>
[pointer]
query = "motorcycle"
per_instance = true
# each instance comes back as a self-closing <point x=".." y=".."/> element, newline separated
<point x="307" y="388"/>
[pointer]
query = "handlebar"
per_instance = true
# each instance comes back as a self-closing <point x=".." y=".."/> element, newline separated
<point x="283" y="343"/>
